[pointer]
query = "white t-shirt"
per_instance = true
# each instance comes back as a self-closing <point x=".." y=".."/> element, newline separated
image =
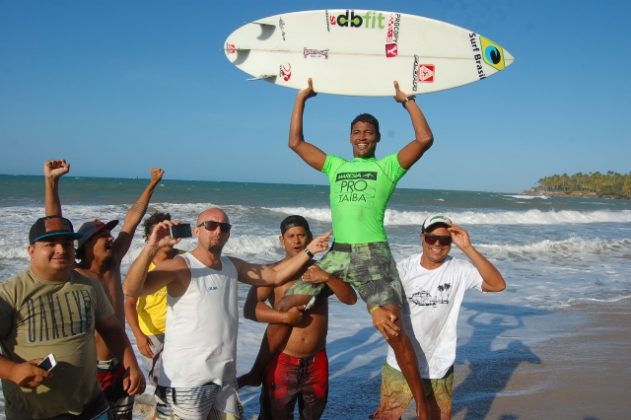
<point x="432" y="303"/>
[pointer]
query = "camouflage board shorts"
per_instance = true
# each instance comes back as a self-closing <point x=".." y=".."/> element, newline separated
<point x="396" y="394"/>
<point x="369" y="268"/>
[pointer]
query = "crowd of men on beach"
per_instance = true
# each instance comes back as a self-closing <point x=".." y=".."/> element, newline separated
<point x="73" y="303"/>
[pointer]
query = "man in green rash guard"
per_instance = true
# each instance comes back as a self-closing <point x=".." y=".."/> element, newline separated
<point x="360" y="191"/>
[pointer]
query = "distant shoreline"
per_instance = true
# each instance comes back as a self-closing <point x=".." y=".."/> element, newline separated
<point x="578" y="194"/>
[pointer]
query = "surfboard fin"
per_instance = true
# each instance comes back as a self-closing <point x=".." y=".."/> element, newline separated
<point x="267" y="77"/>
<point x="267" y="29"/>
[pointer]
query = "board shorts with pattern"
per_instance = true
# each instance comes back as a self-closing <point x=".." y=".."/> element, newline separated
<point x="110" y="374"/>
<point x="396" y="394"/>
<point x="198" y="403"/>
<point x="288" y="380"/>
<point x="369" y="268"/>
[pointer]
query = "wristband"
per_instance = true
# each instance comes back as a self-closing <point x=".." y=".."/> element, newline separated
<point x="309" y="253"/>
<point x="409" y="98"/>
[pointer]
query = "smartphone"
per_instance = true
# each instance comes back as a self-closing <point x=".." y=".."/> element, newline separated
<point x="183" y="230"/>
<point x="48" y="363"/>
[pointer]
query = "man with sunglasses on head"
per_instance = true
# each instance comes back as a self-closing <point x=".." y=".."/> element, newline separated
<point x="435" y="283"/>
<point x="198" y="373"/>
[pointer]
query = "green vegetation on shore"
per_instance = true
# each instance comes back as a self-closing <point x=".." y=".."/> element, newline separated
<point x="595" y="184"/>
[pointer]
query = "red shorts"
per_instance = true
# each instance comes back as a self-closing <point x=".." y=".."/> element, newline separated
<point x="111" y="374"/>
<point x="289" y="380"/>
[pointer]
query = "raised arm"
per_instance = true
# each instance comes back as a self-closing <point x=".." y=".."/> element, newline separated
<point x="423" y="134"/>
<point x="135" y="214"/>
<point x="342" y="290"/>
<point x="493" y="279"/>
<point x="273" y="275"/>
<point x="140" y="282"/>
<point x="307" y="151"/>
<point x="53" y="170"/>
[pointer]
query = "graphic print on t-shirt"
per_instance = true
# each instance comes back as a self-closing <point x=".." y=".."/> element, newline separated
<point x="59" y="315"/>
<point x="355" y="187"/>
<point x="425" y="298"/>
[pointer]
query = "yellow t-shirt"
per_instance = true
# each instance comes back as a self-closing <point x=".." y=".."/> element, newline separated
<point x="152" y="311"/>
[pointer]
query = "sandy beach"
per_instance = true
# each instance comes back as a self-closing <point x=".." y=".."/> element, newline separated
<point x="580" y="374"/>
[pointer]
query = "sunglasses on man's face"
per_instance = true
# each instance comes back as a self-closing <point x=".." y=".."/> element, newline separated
<point x="443" y="240"/>
<point x="212" y="225"/>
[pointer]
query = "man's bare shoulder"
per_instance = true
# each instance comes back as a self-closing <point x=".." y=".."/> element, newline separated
<point x="87" y="273"/>
<point x="173" y="264"/>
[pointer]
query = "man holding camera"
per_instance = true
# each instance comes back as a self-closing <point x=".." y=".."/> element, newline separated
<point x="198" y="372"/>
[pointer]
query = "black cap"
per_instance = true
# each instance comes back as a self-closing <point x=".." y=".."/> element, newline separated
<point x="293" y="221"/>
<point x="89" y="229"/>
<point x="51" y="227"/>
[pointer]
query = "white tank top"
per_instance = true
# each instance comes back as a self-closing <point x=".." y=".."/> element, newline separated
<point x="200" y="344"/>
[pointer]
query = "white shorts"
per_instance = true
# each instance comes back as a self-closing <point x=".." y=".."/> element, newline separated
<point x="209" y="401"/>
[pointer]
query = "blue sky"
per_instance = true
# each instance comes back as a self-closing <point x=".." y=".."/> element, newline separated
<point x="117" y="87"/>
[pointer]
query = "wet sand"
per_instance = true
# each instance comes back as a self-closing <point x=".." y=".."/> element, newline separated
<point x="584" y="373"/>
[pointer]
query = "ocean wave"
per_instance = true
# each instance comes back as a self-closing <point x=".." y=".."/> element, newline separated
<point x="528" y="217"/>
<point x="528" y="197"/>
<point x="612" y="299"/>
<point x="247" y="214"/>
<point x="573" y="248"/>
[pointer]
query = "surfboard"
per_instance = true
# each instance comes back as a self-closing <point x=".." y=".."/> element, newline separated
<point x="361" y="52"/>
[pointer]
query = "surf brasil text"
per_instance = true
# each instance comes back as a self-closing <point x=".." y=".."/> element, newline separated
<point x="477" y="56"/>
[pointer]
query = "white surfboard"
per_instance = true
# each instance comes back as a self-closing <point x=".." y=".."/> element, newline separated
<point x="361" y="52"/>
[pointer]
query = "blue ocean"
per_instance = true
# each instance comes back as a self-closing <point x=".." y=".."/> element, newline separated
<point x="553" y="252"/>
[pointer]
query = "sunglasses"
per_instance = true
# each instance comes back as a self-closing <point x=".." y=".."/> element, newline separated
<point x="443" y="240"/>
<point x="212" y="225"/>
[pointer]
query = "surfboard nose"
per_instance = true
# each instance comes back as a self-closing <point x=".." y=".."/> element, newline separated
<point x="508" y="58"/>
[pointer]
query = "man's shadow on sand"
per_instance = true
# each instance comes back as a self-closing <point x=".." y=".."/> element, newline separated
<point x="490" y="369"/>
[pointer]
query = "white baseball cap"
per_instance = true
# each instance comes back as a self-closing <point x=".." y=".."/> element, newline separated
<point x="433" y="220"/>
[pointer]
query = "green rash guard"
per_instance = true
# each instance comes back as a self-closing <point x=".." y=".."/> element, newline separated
<point x="359" y="193"/>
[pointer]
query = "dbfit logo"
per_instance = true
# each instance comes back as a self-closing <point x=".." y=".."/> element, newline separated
<point x="352" y="19"/>
<point x="492" y="54"/>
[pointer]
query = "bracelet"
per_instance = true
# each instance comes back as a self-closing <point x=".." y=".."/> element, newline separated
<point x="309" y="253"/>
<point x="409" y="98"/>
<point x="373" y="309"/>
